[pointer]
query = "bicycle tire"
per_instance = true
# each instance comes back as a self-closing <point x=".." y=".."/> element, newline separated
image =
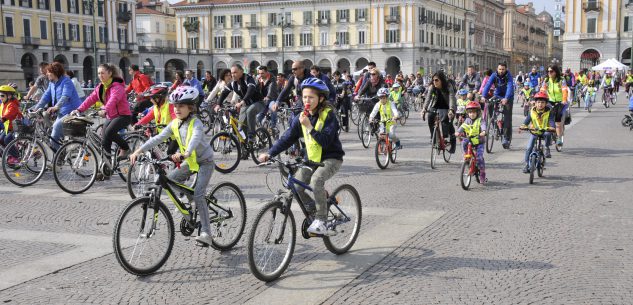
<point x="275" y="210"/>
<point x="381" y="152"/>
<point x="261" y="144"/>
<point x="224" y="146"/>
<point x="394" y="152"/>
<point x="626" y="121"/>
<point x="123" y="166"/>
<point x="490" y="137"/>
<point x="434" y="148"/>
<point x="532" y="168"/>
<point x="119" y="234"/>
<point x="338" y="210"/>
<point x="559" y="148"/>
<point x="541" y="166"/>
<point x="219" y="223"/>
<point x="614" y="98"/>
<point x="65" y="155"/>
<point x="26" y="147"/>
<point x="403" y="117"/>
<point x="465" y="177"/>
<point x="205" y="118"/>
<point x="217" y="125"/>
<point x="366" y="132"/>
<point x="139" y="177"/>
<point x="446" y="155"/>
<point x="355" y="114"/>
<point x="359" y="129"/>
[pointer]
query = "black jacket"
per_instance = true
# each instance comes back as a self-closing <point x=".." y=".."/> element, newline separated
<point x="245" y="88"/>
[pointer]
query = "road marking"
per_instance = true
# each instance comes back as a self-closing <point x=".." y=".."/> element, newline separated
<point x="317" y="281"/>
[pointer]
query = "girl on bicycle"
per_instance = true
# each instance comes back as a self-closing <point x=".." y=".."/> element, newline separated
<point x="194" y="149"/>
<point x="319" y="127"/>
<point x="589" y="92"/>
<point x="111" y="93"/>
<point x="475" y="130"/>
<point x="556" y="88"/>
<point x="388" y="113"/>
<point x="9" y="111"/>
<point x="540" y="118"/>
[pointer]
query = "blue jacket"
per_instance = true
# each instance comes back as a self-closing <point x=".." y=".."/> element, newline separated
<point x="327" y="137"/>
<point x="61" y="93"/>
<point x="534" y="79"/>
<point x="504" y="86"/>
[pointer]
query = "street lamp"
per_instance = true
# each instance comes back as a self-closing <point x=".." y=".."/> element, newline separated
<point x="533" y="59"/>
<point x="555" y="61"/>
<point x="90" y="5"/>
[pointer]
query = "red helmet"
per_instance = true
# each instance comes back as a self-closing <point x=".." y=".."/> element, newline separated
<point x="541" y="95"/>
<point x="473" y="105"/>
<point x="156" y="91"/>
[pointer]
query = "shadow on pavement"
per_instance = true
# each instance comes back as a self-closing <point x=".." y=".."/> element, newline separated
<point x="594" y="152"/>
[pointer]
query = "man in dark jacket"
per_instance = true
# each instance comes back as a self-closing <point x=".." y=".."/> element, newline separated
<point x="299" y="74"/>
<point x="209" y="82"/>
<point x="316" y="72"/>
<point x="250" y="103"/>
<point x="267" y="86"/>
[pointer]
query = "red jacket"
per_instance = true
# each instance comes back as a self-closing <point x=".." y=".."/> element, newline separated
<point x="10" y="112"/>
<point x="150" y="115"/>
<point x="140" y="83"/>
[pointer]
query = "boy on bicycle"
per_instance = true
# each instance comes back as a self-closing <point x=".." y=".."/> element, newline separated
<point x="540" y="118"/>
<point x="194" y="149"/>
<point x="475" y="130"/>
<point x="589" y="92"/>
<point x="388" y="113"/>
<point x="462" y="101"/>
<point x="9" y="111"/>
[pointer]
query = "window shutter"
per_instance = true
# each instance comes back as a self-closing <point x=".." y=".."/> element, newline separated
<point x="55" y="30"/>
<point x="63" y="31"/>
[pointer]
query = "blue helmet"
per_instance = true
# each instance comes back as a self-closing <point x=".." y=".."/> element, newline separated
<point x="462" y="92"/>
<point x="527" y="84"/>
<point x="316" y="84"/>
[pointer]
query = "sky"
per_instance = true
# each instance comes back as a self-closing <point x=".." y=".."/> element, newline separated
<point x="539" y="5"/>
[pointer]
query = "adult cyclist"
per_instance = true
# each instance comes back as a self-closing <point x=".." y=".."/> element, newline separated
<point x="504" y="89"/>
<point x="534" y="78"/>
<point x="250" y="103"/>
<point x="556" y="88"/>
<point x="607" y="85"/>
<point x="628" y="81"/>
<point x="471" y="80"/>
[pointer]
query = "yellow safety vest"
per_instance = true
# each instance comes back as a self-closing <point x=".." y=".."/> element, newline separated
<point x="473" y="131"/>
<point x="542" y="123"/>
<point x="192" y="160"/>
<point x="554" y="91"/>
<point x="629" y="78"/>
<point x="527" y="93"/>
<point x="582" y="79"/>
<point x="7" y="123"/>
<point x="162" y="116"/>
<point x="386" y="115"/>
<point x="313" y="148"/>
<point x="607" y="81"/>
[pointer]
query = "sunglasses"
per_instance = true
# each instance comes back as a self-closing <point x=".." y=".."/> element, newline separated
<point x="2" y="95"/>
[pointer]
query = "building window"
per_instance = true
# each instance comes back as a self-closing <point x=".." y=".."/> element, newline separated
<point x="101" y="59"/>
<point x="324" y="40"/>
<point x="219" y="42"/>
<point x="392" y="36"/>
<point x="394" y="11"/>
<point x="626" y="24"/>
<point x="361" y="37"/>
<point x="253" y="41"/>
<point x="307" y="18"/>
<point x="58" y="5"/>
<point x="100" y="8"/>
<point x="218" y="21"/>
<point x="591" y="25"/>
<point x="342" y="38"/>
<point x="194" y="43"/>
<point x="43" y="4"/>
<point x="43" y="29"/>
<point x="236" y="20"/>
<point x="324" y="15"/>
<point x="236" y="42"/>
<point x="305" y="39"/>
<point x="288" y="40"/>
<point x="272" y="40"/>
<point x="342" y="15"/>
<point x="158" y="27"/>
<point x="75" y="58"/>
<point x="72" y="6"/>
<point x="9" y="25"/>
<point x="44" y="56"/>
<point x="272" y="19"/>
<point x="253" y="19"/>
<point x="421" y="36"/>
<point x="361" y="14"/>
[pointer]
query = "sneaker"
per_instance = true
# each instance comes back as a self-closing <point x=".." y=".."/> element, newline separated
<point x="123" y="154"/>
<point x="547" y="153"/>
<point x="204" y="238"/>
<point x="318" y="227"/>
<point x="526" y="169"/>
<point x="505" y="144"/>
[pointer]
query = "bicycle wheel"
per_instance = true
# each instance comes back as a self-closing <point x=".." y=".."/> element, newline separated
<point x="365" y="132"/>
<point x="139" y="178"/>
<point x="28" y="161"/>
<point x="382" y="154"/>
<point x="532" y="168"/>
<point x="206" y="119"/>
<point x="227" y="152"/>
<point x="434" y="148"/>
<point x="403" y="117"/>
<point x="465" y="177"/>
<point x="75" y="167"/>
<point x="261" y="144"/>
<point x="614" y="99"/>
<point x="394" y="152"/>
<point x="271" y="242"/>
<point x="541" y="166"/>
<point x="123" y="166"/>
<point x="227" y="208"/>
<point x="445" y="153"/>
<point x="490" y="137"/>
<point x="355" y="114"/>
<point x="344" y="218"/>
<point x="416" y="105"/>
<point x="217" y="125"/>
<point x="559" y="148"/>
<point x="626" y="121"/>
<point x="143" y="236"/>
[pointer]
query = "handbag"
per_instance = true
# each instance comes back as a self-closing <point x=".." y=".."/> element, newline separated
<point x="568" y="117"/>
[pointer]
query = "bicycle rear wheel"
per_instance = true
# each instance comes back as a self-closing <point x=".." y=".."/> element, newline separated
<point x="365" y="132"/>
<point x="226" y="152"/>
<point x="271" y="242"/>
<point x="261" y="144"/>
<point x="143" y="236"/>
<point x="465" y="177"/>
<point x="532" y="168"/>
<point x="434" y="148"/>
<point x="228" y="215"/>
<point x="490" y="137"/>
<point x="381" y="153"/>
<point x="355" y="113"/>
<point x="123" y="166"/>
<point x="344" y="218"/>
<point x="541" y="166"/>
<point x="28" y="161"/>
<point x="445" y="153"/>
<point x="75" y="167"/>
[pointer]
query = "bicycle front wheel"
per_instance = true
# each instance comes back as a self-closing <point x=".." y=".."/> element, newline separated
<point x="139" y="177"/>
<point x="226" y="152"/>
<point x="434" y="148"/>
<point x="445" y="153"/>
<point x="394" y="152"/>
<point x="75" y="167"/>
<point x="355" y="113"/>
<point x="465" y="178"/>
<point x="344" y="218"/>
<point x="24" y="161"/>
<point x="261" y="144"/>
<point x="143" y="236"/>
<point x="382" y="154"/>
<point x="227" y="208"/>
<point x="123" y="166"/>
<point x="271" y="242"/>
<point x="490" y="137"/>
<point x="532" y="168"/>
<point x="365" y="132"/>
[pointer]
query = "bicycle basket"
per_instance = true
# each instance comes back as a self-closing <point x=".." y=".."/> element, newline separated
<point x="23" y="126"/>
<point x="75" y="128"/>
<point x="366" y="106"/>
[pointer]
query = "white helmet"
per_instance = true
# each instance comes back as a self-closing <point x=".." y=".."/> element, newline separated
<point x="184" y="95"/>
<point x="382" y="92"/>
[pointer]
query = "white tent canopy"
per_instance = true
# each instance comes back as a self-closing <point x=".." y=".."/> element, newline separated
<point x="610" y="64"/>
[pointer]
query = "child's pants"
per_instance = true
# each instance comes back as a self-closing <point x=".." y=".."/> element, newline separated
<point x="479" y="150"/>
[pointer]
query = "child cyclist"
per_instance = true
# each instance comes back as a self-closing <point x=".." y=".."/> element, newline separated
<point x="540" y="118"/>
<point x="9" y="111"/>
<point x="589" y="92"/>
<point x="319" y="127"/>
<point x="194" y="148"/>
<point x="462" y="101"/>
<point x="388" y="113"/>
<point x="475" y="129"/>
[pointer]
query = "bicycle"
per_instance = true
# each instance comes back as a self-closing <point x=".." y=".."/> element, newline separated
<point x="627" y="121"/>
<point x="233" y="140"/>
<point x="86" y="158"/>
<point x="470" y="167"/>
<point x="536" y="160"/>
<point x="494" y="123"/>
<point x="385" y="148"/>
<point x="275" y="224"/>
<point x="404" y="112"/>
<point x="607" y="97"/>
<point x="629" y="91"/>
<point x="147" y="219"/>
<point x="438" y="142"/>
<point x="364" y="130"/>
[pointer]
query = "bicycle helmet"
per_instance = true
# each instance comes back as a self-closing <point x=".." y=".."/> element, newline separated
<point x="156" y="91"/>
<point x="184" y="95"/>
<point x="527" y="84"/>
<point x="13" y="85"/>
<point x="7" y="88"/>
<point x="382" y="92"/>
<point x="462" y="92"/>
<point x="317" y="85"/>
<point x="473" y="105"/>
<point x="395" y="85"/>
<point x="541" y="96"/>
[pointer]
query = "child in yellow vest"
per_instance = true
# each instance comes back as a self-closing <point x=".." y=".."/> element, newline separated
<point x="540" y="118"/>
<point x="195" y="150"/>
<point x="475" y="129"/>
<point x="388" y="113"/>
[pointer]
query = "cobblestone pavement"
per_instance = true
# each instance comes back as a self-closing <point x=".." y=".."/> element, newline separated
<point x="564" y="240"/>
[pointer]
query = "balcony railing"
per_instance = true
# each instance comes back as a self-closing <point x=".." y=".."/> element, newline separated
<point x="342" y="20"/>
<point x="270" y="50"/>
<point x="589" y="6"/>
<point x="591" y="36"/>
<point x="392" y="19"/>
<point x="61" y="43"/>
<point x="234" y="50"/>
<point x="124" y="16"/>
<point x="30" y="41"/>
<point x="361" y="19"/>
<point x="218" y="26"/>
<point x="395" y="45"/>
<point x="124" y="46"/>
<point x="150" y="49"/>
<point x="237" y="25"/>
<point x="252" y="25"/>
<point x="324" y="21"/>
<point x="88" y="44"/>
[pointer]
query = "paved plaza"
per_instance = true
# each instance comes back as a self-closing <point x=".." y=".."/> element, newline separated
<point x="567" y="239"/>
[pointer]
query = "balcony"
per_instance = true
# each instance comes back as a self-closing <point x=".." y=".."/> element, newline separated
<point x="591" y="36"/>
<point x="392" y="19"/>
<point x="449" y="26"/>
<point x="61" y="43"/>
<point x="191" y="26"/>
<point x="342" y="20"/>
<point x="252" y="25"/>
<point x="270" y="50"/>
<point x="124" y="46"/>
<point x="439" y="24"/>
<point x="124" y="16"/>
<point x="88" y="45"/>
<point x="589" y="6"/>
<point x="394" y="45"/>
<point x="218" y="26"/>
<point x="457" y="27"/>
<point x="152" y="49"/>
<point x="30" y="42"/>
<point x="361" y="19"/>
<point x="191" y="51"/>
<point x="341" y="47"/>
<point x="422" y="20"/>
<point x="237" y="25"/>
<point x="307" y="48"/>
<point x="324" y="21"/>
<point x="234" y="50"/>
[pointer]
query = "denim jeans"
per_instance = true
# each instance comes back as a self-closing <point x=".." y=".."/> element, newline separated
<point x="273" y="114"/>
<point x="532" y="142"/>
<point x="57" y="133"/>
<point x="248" y="115"/>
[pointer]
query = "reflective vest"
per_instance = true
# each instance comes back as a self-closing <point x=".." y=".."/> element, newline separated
<point x="386" y="115"/>
<point x="396" y="96"/>
<point x="313" y="148"/>
<point x="527" y="93"/>
<point x="629" y="78"/>
<point x="539" y="120"/>
<point x="473" y="131"/>
<point x="582" y="79"/>
<point x="554" y="91"/>
<point x="192" y="160"/>
<point x="7" y="123"/>
<point x="607" y="81"/>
